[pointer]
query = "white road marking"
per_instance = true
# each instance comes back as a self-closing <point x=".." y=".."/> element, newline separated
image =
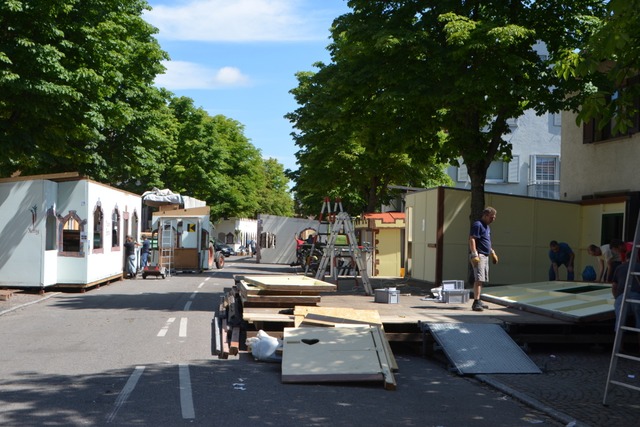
<point x="193" y="295"/>
<point x="183" y="327"/>
<point x="202" y="284"/>
<point x="165" y="328"/>
<point x="207" y="279"/>
<point x="186" y="397"/>
<point x="126" y="391"/>
<point x="187" y="306"/>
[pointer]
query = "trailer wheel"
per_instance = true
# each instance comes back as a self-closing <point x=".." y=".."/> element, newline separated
<point x="144" y="276"/>
<point x="220" y="261"/>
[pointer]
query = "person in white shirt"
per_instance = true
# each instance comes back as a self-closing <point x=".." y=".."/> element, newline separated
<point x="607" y="261"/>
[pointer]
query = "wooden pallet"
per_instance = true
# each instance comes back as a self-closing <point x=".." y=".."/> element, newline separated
<point x="6" y="294"/>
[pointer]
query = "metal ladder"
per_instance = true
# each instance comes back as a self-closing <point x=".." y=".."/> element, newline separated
<point x="343" y="224"/>
<point x="166" y="245"/>
<point x="633" y="274"/>
<point x="327" y="216"/>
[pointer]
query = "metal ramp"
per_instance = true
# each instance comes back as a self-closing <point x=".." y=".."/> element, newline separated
<point x="480" y="348"/>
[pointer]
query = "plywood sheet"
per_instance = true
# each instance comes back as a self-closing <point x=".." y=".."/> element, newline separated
<point x="251" y="289"/>
<point x="353" y="353"/>
<point x="572" y="301"/>
<point x="329" y="316"/>
<point x="289" y="282"/>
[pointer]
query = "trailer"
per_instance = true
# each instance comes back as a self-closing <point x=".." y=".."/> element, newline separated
<point x="182" y="241"/>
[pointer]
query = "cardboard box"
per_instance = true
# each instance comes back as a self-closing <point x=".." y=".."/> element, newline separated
<point x="387" y="295"/>
<point x="455" y="296"/>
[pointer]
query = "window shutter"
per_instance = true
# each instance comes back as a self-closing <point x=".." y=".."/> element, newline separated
<point x="463" y="175"/>
<point x="513" y="175"/>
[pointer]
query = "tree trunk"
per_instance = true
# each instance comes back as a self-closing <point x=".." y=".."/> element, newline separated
<point x="477" y="173"/>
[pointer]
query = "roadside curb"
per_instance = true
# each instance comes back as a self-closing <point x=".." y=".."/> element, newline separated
<point x="28" y="303"/>
<point x="568" y="420"/>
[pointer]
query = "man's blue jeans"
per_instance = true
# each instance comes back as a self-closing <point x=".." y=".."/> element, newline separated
<point x="552" y="274"/>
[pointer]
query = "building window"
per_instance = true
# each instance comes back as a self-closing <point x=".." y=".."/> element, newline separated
<point x="71" y="229"/>
<point x="499" y="172"/>
<point x="544" y="181"/>
<point x="596" y="130"/>
<point x="98" y="229"/>
<point x="115" y="229"/>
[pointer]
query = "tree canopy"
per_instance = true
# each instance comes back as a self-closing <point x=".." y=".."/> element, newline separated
<point x="77" y="94"/>
<point x="608" y="66"/>
<point x="437" y="80"/>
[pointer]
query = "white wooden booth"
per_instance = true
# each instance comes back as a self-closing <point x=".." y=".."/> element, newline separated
<point x="63" y="229"/>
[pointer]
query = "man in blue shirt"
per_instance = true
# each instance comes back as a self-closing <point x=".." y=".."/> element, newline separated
<point x="480" y="251"/>
<point x="560" y="254"/>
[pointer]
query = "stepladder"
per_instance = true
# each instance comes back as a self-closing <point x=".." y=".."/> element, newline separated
<point x="347" y="257"/>
<point x="626" y="302"/>
<point x="166" y="245"/>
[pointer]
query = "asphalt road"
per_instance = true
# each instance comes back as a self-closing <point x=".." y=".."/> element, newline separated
<point x="138" y="353"/>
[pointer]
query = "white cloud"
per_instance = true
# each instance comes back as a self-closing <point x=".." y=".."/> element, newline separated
<point x="239" y="20"/>
<point x="181" y="75"/>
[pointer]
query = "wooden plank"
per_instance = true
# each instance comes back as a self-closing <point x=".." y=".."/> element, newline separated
<point x="279" y="301"/>
<point x="234" y="345"/>
<point x="329" y="316"/>
<point x="385" y="355"/>
<point x="250" y="289"/>
<point x="290" y="282"/>
<point x="224" y="354"/>
<point x="216" y="335"/>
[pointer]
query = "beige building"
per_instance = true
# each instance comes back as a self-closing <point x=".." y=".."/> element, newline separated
<point x="599" y="201"/>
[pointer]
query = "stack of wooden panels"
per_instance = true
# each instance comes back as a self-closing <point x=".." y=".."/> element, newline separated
<point x="281" y="290"/>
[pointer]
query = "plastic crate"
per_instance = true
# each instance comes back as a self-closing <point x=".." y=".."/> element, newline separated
<point x="452" y="284"/>
<point x="387" y="295"/>
<point x="455" y="296"/>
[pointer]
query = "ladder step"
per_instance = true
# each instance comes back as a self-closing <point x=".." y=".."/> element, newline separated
<point x="628" y="356"/>
<point x="627" y="385"/>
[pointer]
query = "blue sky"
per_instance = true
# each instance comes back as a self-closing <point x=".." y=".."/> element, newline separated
<point x="238" y="58"/>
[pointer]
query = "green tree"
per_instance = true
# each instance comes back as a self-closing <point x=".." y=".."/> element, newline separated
<point x="608" y="66"/>
<point x="274" y="197"/>
<point x="242" y="166"/>
<point x="74" y="76"/>
<point x="350" y="143"/>
<point x="213" y="161"/>
<point x="449" y="73"/>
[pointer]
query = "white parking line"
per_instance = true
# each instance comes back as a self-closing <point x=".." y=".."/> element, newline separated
<point x="183" y="327"/>
<point x="165" y="328"/>
<point x="126" y="391"/>
<point x="186" y="397"/>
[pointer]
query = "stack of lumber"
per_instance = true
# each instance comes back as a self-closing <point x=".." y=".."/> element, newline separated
<point x="281" y="290"/>
<point x="226" y="325"/>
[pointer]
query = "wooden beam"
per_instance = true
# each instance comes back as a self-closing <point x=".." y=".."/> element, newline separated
<point x="234" y="345"/>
